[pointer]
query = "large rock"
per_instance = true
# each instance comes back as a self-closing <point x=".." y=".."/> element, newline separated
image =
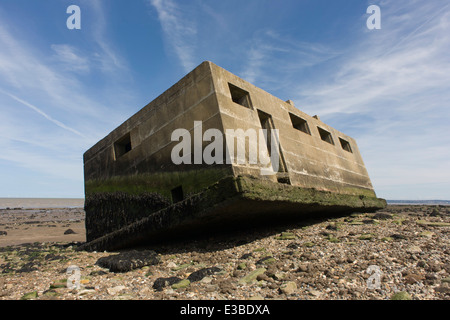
<point x="200" y="274"/>
<point x="160" y="283"/>
<point x="126" y="261"/>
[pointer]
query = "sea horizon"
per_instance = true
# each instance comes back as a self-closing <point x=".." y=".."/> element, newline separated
<point x="27" y="203"/>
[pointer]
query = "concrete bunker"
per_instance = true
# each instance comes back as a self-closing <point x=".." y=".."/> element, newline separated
<point x="136" y="194"/>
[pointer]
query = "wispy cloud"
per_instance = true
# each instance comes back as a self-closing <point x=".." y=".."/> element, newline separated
<point x="51" y="113"/>
<point x="107" y="56"/>
<point x="180" y="32"/>
<point x="405" y="58"/>
<point x="70" y="59"/>
<point x="273" y="59"/>
<point x="397" y="80"/>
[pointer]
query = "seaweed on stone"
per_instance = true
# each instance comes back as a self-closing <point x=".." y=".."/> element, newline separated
<point x="107" y="212"/>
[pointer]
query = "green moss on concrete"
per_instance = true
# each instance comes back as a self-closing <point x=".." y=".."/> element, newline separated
<point x="257" y="189"/>
<point x="192" y="181"/>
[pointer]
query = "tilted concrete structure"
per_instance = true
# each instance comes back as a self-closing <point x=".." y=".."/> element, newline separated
<point x="136" y="194"/>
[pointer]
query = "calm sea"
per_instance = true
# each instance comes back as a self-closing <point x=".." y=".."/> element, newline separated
<point x="40" y="203"/>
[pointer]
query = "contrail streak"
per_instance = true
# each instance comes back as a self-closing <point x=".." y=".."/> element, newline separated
<point x="42" y="113"/>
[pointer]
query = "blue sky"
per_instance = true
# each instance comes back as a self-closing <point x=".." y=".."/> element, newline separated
<point x="62" y="90"/>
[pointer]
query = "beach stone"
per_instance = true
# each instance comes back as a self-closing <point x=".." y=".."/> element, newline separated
<point x="421" y="264"/>
<point x="332" y="226"/>
<point x="7" y="268"/>
<point x="61" y="283"/>
<point x="314" y="293"/>
<point x="29" y="295"/>
<point x="246" y="256"/>
<point x="227" y="286"/>
<point x="367" y="236"/>
<point x="398" y="236"/>
<point x="413" y="249"/>
<point x="50" y="294"/>
<point x="302" y="267"/>
<point x="266" y="260"/>
<point x="293" y="245"/>
<point x="442" y="289"/>
<point x="262" y="277"/>
<point x="251" y="277"/>
<point x="427" y="234"/>
<point x="29" y="267"/>
<point x="3" y="233"/>
<point x="160" y="283"/>
<point x="127" y="261"/>
<point x="401" y="295"/>
<point x="115" y="290"/>
<point x="86" y="292"/>
<point x="52" y="257"/>
<point x="98" y="273"/>
<point x="288" y="288"/>
<point x="200" y="274"/>
<point x="432" y="223"/>
<point x="412" y="278"/>
<point x="382" y="216"/>
<point x="286" y="236"/>
<point x="69" y="231"/>
<point x="181" y="284"/>
<point x="242" y="266"/>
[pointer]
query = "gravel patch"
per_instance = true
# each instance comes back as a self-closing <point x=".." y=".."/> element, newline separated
<point x="401" y="252"/>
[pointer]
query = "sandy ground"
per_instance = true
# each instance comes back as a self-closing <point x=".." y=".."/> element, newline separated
<point x="41" y="225"/>
<point x="322" y="259"/>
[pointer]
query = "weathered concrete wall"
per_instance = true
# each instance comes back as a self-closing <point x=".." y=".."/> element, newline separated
<point x="148" y="167"/>
<point x="123" y="188"/>
<point x="131" y="181"/>
<point x="310" y="161"/>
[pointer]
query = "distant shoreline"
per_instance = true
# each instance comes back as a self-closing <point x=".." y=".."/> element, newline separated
<point x="420" y="202"/>
<point x="39" y="203"/>
<point x="42" y="203"/>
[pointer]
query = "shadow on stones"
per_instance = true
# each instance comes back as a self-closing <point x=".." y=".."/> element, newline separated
<point x="233" y="236"/>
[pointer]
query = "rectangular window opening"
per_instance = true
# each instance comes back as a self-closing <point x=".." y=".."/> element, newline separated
<point x="177" y="194"/>
<point x="267" y="124"/>
<point x="299" y="123"/>
<point x="240" y="96"/>
<point x="325" y="136"/>
<point x="122" y="146"/>
<point x="283" y="179"/>
<point x="345" y="145"/>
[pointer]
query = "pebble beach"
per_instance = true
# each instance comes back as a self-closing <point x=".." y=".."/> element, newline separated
<point x="401" y="252"/>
